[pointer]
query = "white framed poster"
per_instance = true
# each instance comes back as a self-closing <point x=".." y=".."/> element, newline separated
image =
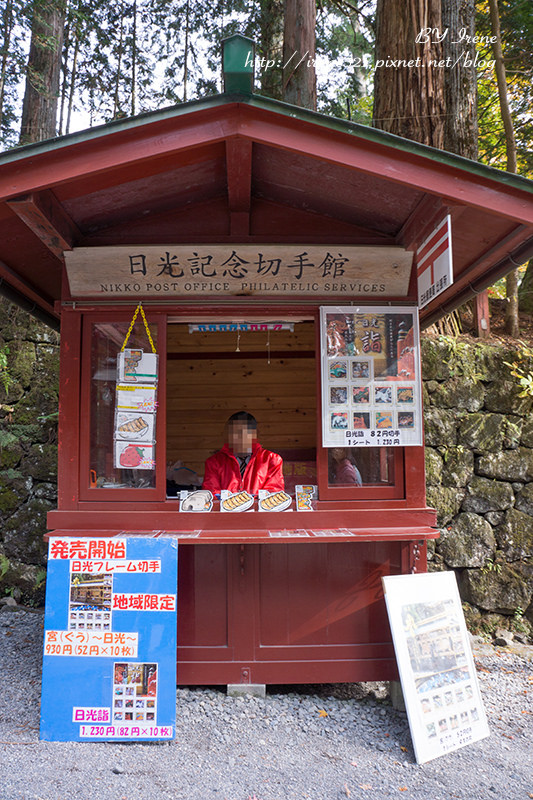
<point x="371" y="380"/>
<point x="437" y="671"/>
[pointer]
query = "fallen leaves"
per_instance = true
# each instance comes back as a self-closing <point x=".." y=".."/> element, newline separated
<point x="347" y="791"/>
<point x="402" y="788"/>
<point x="365" y="786"/>
<point x="403" y="749"/>
<point x="322" y="713"/>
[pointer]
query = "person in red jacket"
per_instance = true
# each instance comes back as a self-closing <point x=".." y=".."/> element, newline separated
<point x="243" y="463"/>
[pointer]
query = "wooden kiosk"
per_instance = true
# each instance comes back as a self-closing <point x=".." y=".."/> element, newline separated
<point x="235" y="219"/>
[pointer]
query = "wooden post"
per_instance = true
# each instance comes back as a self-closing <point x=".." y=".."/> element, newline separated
<point x="482" y="315"/>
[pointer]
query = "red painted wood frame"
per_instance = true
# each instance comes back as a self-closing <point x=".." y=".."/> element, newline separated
<point x="93" y="494"/>
<point x="408" y="483"/>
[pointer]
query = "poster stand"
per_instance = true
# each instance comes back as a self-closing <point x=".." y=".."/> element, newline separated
<point x="437" y="672"/>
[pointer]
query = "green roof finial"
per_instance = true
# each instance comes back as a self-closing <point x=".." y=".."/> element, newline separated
<point x="238" y="60"/>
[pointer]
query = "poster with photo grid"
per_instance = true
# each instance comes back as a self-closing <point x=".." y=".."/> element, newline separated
<point x="371" y="386"/>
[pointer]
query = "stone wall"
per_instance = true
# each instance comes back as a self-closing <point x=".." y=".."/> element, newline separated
<point x="28" y="450"/>
<point x="479" y="461"/>
<point x="479" y="472"/>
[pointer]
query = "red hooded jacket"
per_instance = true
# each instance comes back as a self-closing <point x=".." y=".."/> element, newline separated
<point x="263" y="471"/>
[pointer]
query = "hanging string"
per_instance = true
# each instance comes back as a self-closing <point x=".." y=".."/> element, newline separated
<point x="268" y="347"/>
<point x="132" y="323"/>
<point x="238" y="349"/>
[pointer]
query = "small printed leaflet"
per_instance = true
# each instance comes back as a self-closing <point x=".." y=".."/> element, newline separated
<point x="437" y="671"/>
<point x="109" y="663"/>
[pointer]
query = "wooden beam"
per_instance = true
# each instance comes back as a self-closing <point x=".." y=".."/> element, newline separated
<point x="426" y="211"/>
<point x="47" y="219"/>
<point x="11" y="278"/>
<point x="239" y="177"/>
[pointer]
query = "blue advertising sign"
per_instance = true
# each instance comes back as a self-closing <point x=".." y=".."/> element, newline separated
<point x="109" y="660"/>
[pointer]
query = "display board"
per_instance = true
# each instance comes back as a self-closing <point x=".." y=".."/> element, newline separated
<point x="371" y="385"/>
<point x="437" y="671"/>
<point x="109" y="661"/>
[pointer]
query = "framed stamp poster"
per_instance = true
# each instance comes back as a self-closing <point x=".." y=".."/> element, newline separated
<point x="109" y="659"/>
<point x="371" y="382"/>
<point x="437" y="671"/>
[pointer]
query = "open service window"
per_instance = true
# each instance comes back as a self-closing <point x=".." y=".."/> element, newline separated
<point x="217" y="368"/>
<point x="122" y="451"/>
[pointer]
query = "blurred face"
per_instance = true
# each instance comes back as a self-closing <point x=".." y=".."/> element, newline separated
<point x="241" y="438"/>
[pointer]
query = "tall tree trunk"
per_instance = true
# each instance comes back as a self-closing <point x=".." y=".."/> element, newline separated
<point x="511" y="291"/>
<point x="39" y="108"/>
<point x="186" y="52"/>
<point x="409" y="100"/>
<point x="460" y="79"/>
<point x="271" y="47"/>
<point x="525" y="293"/>
<point x="73" y="76"/>
<point x="7" y="26"/>
<point x="116" y="94"/>
<point x="134" y="59"/>
<point x="299" y="74"/>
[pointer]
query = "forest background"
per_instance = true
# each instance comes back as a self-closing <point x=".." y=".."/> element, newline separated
<point x="66" y="65"/>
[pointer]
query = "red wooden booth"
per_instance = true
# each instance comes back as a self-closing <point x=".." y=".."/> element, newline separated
<point x="235" y="219"/>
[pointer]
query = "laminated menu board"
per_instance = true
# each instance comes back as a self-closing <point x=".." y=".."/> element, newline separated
<point x="136" y="366"/>
<point x="135" y="410"/>
<point x="371" y="384"/>
<point x="109" y="659"/>
<point x="437" y="671"/>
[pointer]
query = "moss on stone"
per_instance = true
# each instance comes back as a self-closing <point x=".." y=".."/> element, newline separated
<point x="21" y="361"/>
<point x="501" y="590"/>
<point x="446" y="500"/>
<point x="509" y="465"/>
<point x="458" y="465"/>
<point x="468" y="542"/>
<point x="41" y="462"/>
<point x="433" y="467"/>
<point x="524" y="499"/>
<point x="526" y="439"/>
<point x="440" y="427"/>
<point x="515" y="535"/>
<point x="459" y="393"/>
<point x="483" y="494"/>
<point x="481" y="432"/>
<point x="436" y="356"/>
<point x="503" y="396"/>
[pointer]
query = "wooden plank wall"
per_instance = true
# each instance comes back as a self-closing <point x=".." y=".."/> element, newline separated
<point x="207" y="381"/>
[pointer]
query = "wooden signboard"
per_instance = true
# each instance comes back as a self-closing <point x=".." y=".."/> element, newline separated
<point x="270" y="270"/>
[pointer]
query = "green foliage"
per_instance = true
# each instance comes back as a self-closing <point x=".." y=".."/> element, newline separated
<point x="5" y="377"/>
<point x="491" y="566"/>
<point x="521" y="368"/>
<point x="516" y="23"/>
<point x="4" y="565"/>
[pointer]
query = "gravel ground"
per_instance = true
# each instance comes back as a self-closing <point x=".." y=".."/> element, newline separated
<point x="278" y="748"/>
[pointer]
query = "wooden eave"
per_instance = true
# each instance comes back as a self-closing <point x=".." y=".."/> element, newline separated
<point x="250" y="169"/>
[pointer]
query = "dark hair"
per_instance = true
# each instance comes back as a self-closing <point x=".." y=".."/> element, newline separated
<point x="243" y="416"/>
